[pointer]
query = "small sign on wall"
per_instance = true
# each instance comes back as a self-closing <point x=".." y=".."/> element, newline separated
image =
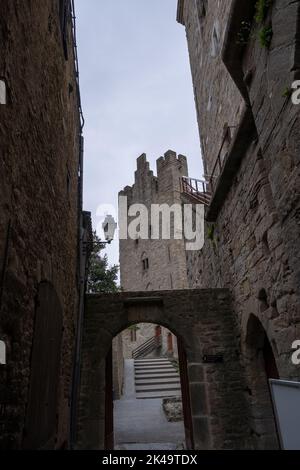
<point x="286" y="402"/>
<point x="212" y="358"/>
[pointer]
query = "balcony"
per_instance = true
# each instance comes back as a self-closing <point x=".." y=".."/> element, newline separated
<point x="195" y="191"/>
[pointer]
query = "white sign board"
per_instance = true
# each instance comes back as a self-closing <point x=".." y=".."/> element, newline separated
<point x="286" y="402"/>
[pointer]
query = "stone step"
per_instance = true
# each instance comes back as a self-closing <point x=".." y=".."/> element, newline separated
<point x="151" y="360"/>
<point x="161" y="394"/>
<point x="156" y="376"/>
<point x="155" y="388"/>
<point x="138" y="368"/>
<point x="157" y="381"/>
<point x="142" y="364"/>
<point x="159" y="373"/>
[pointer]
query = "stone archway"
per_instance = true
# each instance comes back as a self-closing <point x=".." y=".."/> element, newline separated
<point x="260" y="366"/>
<point x="203" y="322"/>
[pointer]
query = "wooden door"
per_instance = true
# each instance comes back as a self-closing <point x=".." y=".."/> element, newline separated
<point x="185" y="391"/>
<point x="109" y="403"/>
<point x="41" y="417"/>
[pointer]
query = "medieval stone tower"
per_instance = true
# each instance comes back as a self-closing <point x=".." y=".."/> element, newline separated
<point x="154" y="264"/>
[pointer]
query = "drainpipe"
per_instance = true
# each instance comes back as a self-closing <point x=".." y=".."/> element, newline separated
<point x="81" y="273"/>
<point x="81" y="255"/>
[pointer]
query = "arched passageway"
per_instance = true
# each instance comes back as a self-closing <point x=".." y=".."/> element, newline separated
<point x="260" y="366"/>
<point x="204" y="322"/>
<point x="151" y="405"/>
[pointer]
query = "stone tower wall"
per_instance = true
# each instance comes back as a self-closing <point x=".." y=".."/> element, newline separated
<point x="167" y="263"/>
<point x="252" y="240"/>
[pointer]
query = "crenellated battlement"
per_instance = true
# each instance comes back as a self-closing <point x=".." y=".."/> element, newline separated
<point x="170" y="168"/>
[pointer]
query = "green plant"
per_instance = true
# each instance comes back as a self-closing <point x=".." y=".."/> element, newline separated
<point x="265" y="36"/>
<point x="133" y="328"/>
<point x="261" y="9"/>
<point x="287" y="93"/>
<point x="101" y="276"/>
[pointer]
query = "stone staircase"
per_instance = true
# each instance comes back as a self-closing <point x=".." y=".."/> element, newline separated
<point x="156" y="378"/>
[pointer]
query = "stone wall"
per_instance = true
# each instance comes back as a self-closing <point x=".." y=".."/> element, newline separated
<point x="39" y="163"/>
<point x="204" y="321"/>
<point x="205" y="23"/>
<point x="252" y="241"/>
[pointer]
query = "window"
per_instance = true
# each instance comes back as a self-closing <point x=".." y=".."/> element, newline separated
<point x="209" y="104"/>
<point x="226" y="143"/>
<point x="145" y="264"/>
<point x="201" y="8"/>
<point x="215" y="46"/>
<point x="2" y="353"/>
<point x="64" y="8"/>
<point x="68" y="184"/>
<point x="2" y="92"/>
<point x="169" y="253"/>
<point x="133" y="335"/>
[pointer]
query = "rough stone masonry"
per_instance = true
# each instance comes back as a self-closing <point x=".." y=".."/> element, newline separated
<point x="243" y="65"/>
<point x="39" y="225"/>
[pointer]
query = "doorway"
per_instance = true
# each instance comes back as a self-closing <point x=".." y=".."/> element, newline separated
<point x="41" y="417"/>
<point x="261" y="366"/>
<point x="147" y="392"/>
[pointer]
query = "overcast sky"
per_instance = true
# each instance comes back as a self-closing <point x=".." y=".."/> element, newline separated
<point x="136" y="92"/>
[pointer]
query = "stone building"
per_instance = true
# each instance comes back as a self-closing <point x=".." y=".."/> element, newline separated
<point x="244" y="57"/>
<point x="41" y="222"/>
<point x="148" y="264"/>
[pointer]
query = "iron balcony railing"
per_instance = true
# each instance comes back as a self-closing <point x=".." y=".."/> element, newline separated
<point x="146" y="348"/>
<point x="201" y="191"/>
<point x="198" y="190"/>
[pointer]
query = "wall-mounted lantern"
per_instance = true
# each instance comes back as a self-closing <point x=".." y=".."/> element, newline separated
<point x="109" y="226"/>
